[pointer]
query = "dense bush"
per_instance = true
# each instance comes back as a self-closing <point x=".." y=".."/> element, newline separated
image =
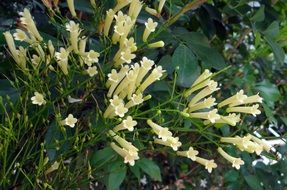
<point x="143" y="95"/>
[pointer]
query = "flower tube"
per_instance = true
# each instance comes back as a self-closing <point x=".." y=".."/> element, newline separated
<point x="209" y="164"/>
<point x="191" y="153"/>
<point x="206" y="103"/>
<point x="108" y="21"/>
<point x="238" y="98"/>
<point x="249" y="100"/>
<point x="162" y="132"/>
<point x="236" y="162"/>
<point x="155" y="75"/>
<point x="212" y="115"/>
<point x="146" y="65"/>
<point x="71" y="7"/>
<point x="127" y="123"/>
<point x="150" y="26"/>
<point x="249" y="110"/>
<point x="209" y="89"/>
<point x="172" y="142"/>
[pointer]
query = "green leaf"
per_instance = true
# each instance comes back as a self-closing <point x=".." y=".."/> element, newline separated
<point x="277" y="50"/>
<point x="184" y="59"/>
<point x="101" y="156"/>
<point x="117" y="175"/>
<point x="269" y="92"/>
<point x="136" y="171"/>
<point x="253" y="182"/>
<point x="150" y="168"/>
<point x="199" y="44"/>
<point x="259" y="15"/>
<point x="231" y="176"/>
<point x="272" y="30"/>
<point x="269" y="114"/>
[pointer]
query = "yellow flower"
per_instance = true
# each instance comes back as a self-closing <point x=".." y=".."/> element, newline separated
<point x="201" y="82"/>
<point x="206" y="103"/>
<point x="158" y="44"/>
<point x="38" y="99"/>
<point x="35" y="60"/>
<point x="231" y="119"/>
<point x="129" y="156"/>
<point x="238" y="98"/>
<point x="70" y="121"/>
<point x="136" y="99"/>
<point x="172" y="142"/>
<point x="135" y="8"/>
<point x="209" y="89"/>
<point x="92" y="71"/>
<point x="190" y="153"/>
<point x="121" y="4"/>
<point x="162" y="132"/>
<point x="209" y="164"/>
<point x="212" y="115"/>
<point x="146" y="65"/>
<point x="71" y="7"/>
<point x="150" y="26"/>
<point x="91" y="57"/>
<point x="160" y="6"/>
<point x="20" y="35"/>
<point x="74" y="30"/>
<point x="127" y="123"/>
<point x="108" y="21"/>
<point x="151" y="11"/>
<point x="249" y="110"/>
<point x="265" y="146"/>
<point x="155" y="75"/>
<point x="120" y="110"/>
<point x="236" y="162"/>
<point x="251" y="99"/>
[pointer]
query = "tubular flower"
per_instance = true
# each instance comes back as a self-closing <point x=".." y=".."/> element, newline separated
<point x="160" y="6"/>
<point x="150" y="26"/>
<point x="92" y="71"/>
<point x="35" y="60"/>
<point x="116" y="101"/>
<point x="121" y="4"/>
<point x="74" y="30"/>
<point x="251" y="99"/>
<point x="146" y="65"/>
<point x="209" y="164"/>
<point x="129" y="156"/>
<point x="108" y="21"/>
<point x="244" y="144"/>
<point x="190" y="153"/>
<point x="116" y="78"/>
<point x="131" y="76"/>
<point x="162" y="132"/>
<point x="231" y="119"/>
<point x="70" y="121"/>
<point x="238" y="98"/>
<point x="26" y="19"/>
<point x="120" y="110"/>
<point x="151" y="11"/>
<point x="62" y="59"/>
<point x="91" y="57"/>
<point x="249" y="110"/>
<point x="212" y="115"/>
<point x="127" y="123"/>
<point x="19" y="56"/>
<point x="155" y="75"/>
<point x="236" y="162"/>
<point x="135" y="8"/>
<point x="158" y="44"/>
<point x="20" y="35"/>
<point x="206" y="103"/>
<point x="172" y="142"/>
<point x="129" y="43"/>
<point x="71" y="7"/>
<point x="38" y="99"/>
<point x="209" y="89"/>
<point x="201" y="82"/>
<point x="136" y="99"/>
<point x="126" y="56"/>
<point x="265" y="146"/>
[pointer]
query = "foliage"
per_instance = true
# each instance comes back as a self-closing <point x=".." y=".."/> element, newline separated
<point x="243" y="42"/>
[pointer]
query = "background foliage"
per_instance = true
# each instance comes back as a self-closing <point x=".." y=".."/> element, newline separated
<point x="248" y="36"/>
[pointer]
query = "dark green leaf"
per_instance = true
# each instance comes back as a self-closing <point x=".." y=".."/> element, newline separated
<point x="231" y="176"/>
<point x="269" y="92"/>
<point x="277" y="50"/>
<point x="259" y="15"/>
<point x="253" y="182"/>
<point x="188" y="69"/>
<point x="117" y="175"/>
<point x="150" y="168"/>
<point x="100" y="156"/>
